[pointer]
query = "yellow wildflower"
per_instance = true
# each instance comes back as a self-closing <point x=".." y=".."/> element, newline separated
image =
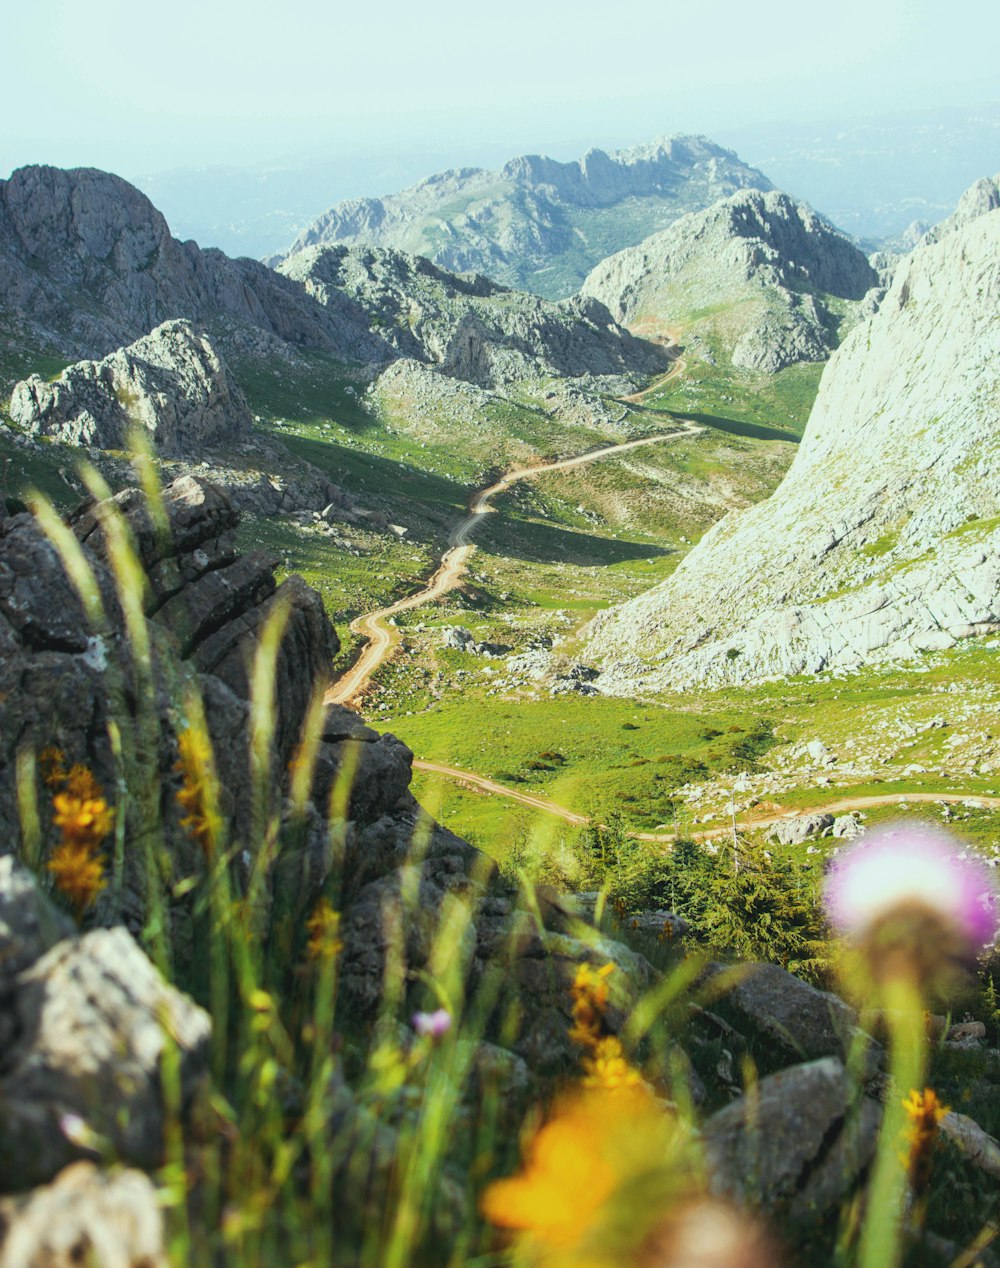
<point x="925" y="1112"/>
<point x="597" y="1178"/>
<point x="603" y="1061"/>
<point x="52" y="761"/>
<point x="78" y="874"/>
<point x="590" y="1000"/>
<point x="84" y="819"/>
<point x="608" y="1067"/>
<point x="324" y="932"/>
<point x="200" y="819"/>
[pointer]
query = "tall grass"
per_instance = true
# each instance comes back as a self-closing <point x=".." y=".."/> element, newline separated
<point x="321" y="1136"/>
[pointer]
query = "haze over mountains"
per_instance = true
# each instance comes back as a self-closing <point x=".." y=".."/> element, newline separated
<point x="871" y="175"/>
<point x="851" y="558"/>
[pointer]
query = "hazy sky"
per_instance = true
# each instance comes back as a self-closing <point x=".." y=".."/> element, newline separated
<point x="140" y="88"/>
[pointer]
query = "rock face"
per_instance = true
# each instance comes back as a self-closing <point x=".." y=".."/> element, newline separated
<point x="771" y="265"/>
<point x="90" y="1017"/>
<point x="88" y="264"/>
<point x="539" y="223"/>
<point x="172" y="383"/>
<point x="978" y="200"/>
<point x="467" y="326"/>
<point x="882" y="540"/>
<point x="206" y="605"/>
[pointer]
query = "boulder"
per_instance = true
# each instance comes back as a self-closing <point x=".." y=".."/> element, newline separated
<point x="795" y="1144"/>
<point x="801" y="828"/>
<point x="29" y="923"/>
<point x="796" y="1021"/>
<point x="91" y="1016"/>
<point x="110" y="1219"/>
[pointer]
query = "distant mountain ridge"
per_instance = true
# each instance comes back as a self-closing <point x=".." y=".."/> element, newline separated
<point x="88" y="265"/>
<point x="883" y="540"/>
<point x="762" y="272"/>
<point x="538" y="223"/>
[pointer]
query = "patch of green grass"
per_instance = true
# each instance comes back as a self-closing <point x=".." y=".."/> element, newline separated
<point x="50" y="470"/>
<point x="616" y="755"/>
<point x="727" y="398"/>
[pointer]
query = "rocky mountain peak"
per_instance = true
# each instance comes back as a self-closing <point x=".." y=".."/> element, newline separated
<point x="978" y="200"/>
<point x="85" y="211"/>
<point x="769" y="260"/>
<point x="882" y="541"/>
<point x="87" y="264"/>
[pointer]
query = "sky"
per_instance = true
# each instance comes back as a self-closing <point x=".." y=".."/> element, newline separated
<point x="137" y="88"/>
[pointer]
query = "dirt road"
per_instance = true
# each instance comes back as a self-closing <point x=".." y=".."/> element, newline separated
<point x="374" y="626"/>
<point x="842" y="806"/>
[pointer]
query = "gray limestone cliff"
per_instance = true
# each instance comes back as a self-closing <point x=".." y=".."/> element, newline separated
<point x="467" y="326"/>
<point x="761" y="272"/>
<point x="88" y="264"/>
<point x="539" y="223"/>
<point x="882" y="541"/>
<point x="172" y="383"/>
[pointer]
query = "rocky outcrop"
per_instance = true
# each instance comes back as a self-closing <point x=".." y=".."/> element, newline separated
<point x="539" y="223"/>
<point x="88" y="264"/>
<point x="765" y="268"/>
<point x="172" y="384"/>
<point x="86" y="1216"/>
<point x="61" y="680"/>
<point x="467" y="326"/>
<point x="882" y="540"/>
<point x="795" y="1021"/>
<point x="84" y="1063"/>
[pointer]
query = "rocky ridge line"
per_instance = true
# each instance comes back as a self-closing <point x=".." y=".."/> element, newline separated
<point x="468" y="327"/>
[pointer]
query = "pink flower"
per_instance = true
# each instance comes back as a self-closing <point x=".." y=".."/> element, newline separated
<point x="432" y="1025"/>
<point x="908" y="866"/>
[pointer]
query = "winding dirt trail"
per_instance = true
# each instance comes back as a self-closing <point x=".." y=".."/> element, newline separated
<point x="374" y="627"/>
<point x="762" y="821"/>
<point x="676" y="370"/>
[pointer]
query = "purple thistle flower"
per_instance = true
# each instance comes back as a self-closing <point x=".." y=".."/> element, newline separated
<point x="911" y="865"/>
<point x="432" y="1025"/>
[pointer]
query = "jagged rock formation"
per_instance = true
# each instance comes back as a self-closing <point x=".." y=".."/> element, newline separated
<point x="539" y="223"/>
<point x="60" y="681"/>
<point x="469" y="327"/>
<point x="172" y="383"/>
<point x="882" y="540"/>
<point x="978" y="200"/>
<point x="759" y="271"/>
<point x="88" y="264"/>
